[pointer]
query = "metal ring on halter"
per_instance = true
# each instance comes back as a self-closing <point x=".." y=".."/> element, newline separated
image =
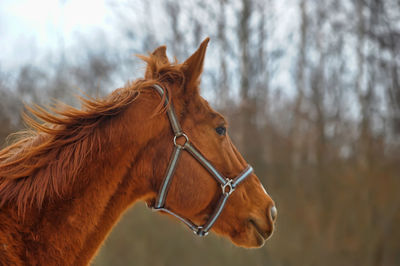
<point x="229" y="185"/>
<point x="181" y="134"/>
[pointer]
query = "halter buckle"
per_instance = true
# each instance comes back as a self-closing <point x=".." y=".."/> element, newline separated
<point x="228" y="185"/>
<point x="199" y="231"/>
<point x="178" y="135"/>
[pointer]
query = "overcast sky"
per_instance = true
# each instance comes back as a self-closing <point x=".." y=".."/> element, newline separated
<point x="28" y="27"/>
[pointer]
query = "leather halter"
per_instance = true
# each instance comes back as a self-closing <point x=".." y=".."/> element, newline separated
<point x="227" y="185"/>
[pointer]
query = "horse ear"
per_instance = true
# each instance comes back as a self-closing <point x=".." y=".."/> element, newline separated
<point x="193" y="66"/>
<point x="161" y="54"/>
<point x="158" y="57"/>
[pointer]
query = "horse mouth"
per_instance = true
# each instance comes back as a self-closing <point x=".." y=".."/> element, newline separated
<point x="261" y="235"/>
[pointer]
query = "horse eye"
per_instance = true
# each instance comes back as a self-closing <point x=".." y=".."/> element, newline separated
<point x="221" y="131"/>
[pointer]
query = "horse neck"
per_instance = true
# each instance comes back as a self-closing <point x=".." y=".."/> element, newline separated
<point x="70" y="231"/>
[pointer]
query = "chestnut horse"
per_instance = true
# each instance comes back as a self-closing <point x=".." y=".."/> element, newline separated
<point x="65" y="183"/>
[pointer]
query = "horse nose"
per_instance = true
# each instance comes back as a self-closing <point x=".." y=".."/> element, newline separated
<point x="273" y="212"/>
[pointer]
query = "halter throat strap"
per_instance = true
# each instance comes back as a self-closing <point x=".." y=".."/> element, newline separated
<point x="228" y="186"/>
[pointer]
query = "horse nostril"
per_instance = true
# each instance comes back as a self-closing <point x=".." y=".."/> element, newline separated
<point x="274" y="213"/>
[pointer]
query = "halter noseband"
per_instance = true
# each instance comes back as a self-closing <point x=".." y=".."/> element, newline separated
<point x="227" y="185"/>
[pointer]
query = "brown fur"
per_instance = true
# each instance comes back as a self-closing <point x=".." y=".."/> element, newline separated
<point x="66" y="182"/>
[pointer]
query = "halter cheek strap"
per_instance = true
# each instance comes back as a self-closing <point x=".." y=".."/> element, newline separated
<point x="228" y="186"/>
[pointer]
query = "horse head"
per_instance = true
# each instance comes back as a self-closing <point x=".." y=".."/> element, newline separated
<point x="193" y="192"/>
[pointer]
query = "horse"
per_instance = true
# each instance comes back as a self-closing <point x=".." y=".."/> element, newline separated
<point x="66" y="181"/>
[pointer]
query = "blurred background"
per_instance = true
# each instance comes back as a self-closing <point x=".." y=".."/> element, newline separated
<point x="311" y="90"/>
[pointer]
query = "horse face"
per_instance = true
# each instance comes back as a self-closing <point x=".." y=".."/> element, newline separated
<point x="248" y="217"/>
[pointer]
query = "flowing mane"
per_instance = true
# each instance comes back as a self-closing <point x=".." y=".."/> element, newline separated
<point x="45" y="160"/>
